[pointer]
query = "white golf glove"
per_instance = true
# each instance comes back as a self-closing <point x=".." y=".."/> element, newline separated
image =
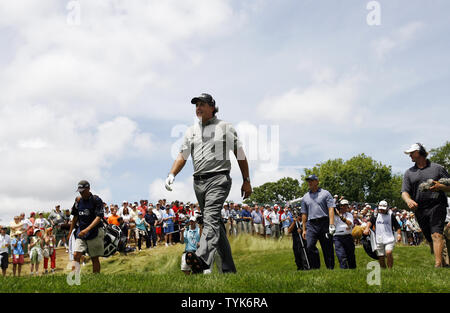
<point x="332" y="229"/>
<point x="169" y="181"/>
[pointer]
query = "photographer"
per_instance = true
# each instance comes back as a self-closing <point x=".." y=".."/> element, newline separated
<point x="56" y="219"/>
<point x="343" y="240"/>
<point x="192" y="238"/>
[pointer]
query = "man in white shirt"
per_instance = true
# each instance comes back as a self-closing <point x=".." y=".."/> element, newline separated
<point x="124" y="205"/>
<point x="267" y="220"/>
<point x="343" y="240"/>
<point x="41" y="223"/>
<point x="159" y="215"/>
<point x="274" y="224"/>
<point x="5" y="242"/>
<point x="446" y="249"/>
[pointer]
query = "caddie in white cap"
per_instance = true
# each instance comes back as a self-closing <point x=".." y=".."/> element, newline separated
<point x="430" y="205"/>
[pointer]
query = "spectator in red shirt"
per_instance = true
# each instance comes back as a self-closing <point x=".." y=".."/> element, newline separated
<point x="142" y="208"/>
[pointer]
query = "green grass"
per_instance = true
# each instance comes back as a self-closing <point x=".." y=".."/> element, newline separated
<point x="264" y="266"/>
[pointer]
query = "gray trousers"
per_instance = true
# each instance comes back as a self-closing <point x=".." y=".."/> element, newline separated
<point x="211" y="194"/>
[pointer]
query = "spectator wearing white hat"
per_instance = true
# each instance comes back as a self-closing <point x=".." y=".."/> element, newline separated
<point x="385" y="224"/>
<point x="429" y="204"/>
<point x="343" y="239"/>
<point x="35" y="247"/>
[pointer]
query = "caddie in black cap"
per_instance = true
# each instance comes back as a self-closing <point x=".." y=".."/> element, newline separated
<point x="83" y="185"/>
<point x="88" y="213"/>
<point x="312" y="177"/>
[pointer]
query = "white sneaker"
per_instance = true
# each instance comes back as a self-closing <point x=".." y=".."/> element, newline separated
<point x="207" y="272"/>
<point x="167" y="244"/>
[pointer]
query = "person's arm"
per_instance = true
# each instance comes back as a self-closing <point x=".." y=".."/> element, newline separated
<point x="72" y="226"/>
<point x="291" y="227"/>
<point x="331" y="215"/>
<point x="368" y="226"/>
<point x="409" y="202"/>
<point x="439" y="187"/>
<point x="90" y="227"/>
<point x="304" y="220"/>
<point x="349" y="222"/>
<point x="246" y="189"/>
<point x="178" y="164"/>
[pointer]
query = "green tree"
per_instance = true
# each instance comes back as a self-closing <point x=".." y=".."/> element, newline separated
<point x="360" y="179"/>
<point x="441" y="155"/>
<point x="283" y="190"/>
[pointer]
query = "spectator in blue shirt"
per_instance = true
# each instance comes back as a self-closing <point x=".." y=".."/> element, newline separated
<point x="192" y="240"/>
<point x="286" y="220"/>
<point x="168" y="221"/>
<point x="246" y="219"/>
<point x="18" y="243"/>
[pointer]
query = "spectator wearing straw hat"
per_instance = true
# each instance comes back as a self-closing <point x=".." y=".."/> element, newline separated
<point x="18" y="244"/>
<point x="35" y="248"/>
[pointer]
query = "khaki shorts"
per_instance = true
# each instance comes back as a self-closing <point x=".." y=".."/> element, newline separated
<point x="93" y="247"/>
<point x="382" y="248"/>
<point x="259" y="229"/>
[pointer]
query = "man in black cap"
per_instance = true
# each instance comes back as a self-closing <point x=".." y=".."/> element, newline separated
<point x="209" y="143"/>
<point x="87" y="214"/>
<point x="318" y="222"/>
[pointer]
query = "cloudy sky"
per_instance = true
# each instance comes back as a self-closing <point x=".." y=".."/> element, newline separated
<point x="100" y="90"/>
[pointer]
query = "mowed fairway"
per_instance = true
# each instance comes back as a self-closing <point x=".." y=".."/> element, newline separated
<point x="264" y="266"/>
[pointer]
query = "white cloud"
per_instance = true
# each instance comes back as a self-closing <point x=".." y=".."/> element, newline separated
<point x="398" y="39"/>
<point x="69" y="94"/>
<point x="324" y="101"/>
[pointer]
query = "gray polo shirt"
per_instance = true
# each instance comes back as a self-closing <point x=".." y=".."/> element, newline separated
<point x="209" y="145"/>
<point x="415" y="176"/>
<point x="316" y="204"/>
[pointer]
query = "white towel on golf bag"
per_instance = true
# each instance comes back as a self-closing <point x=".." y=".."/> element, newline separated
<point x="373" y="240"/>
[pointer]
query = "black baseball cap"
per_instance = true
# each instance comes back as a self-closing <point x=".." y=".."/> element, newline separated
<point x="205" y="97"/>
<point x="83" y="185"/>
<point x="312" y="177"/>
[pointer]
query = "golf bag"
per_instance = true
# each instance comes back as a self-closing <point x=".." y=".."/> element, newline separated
<point x="113" y="240"/>
<point x="369" y="245"/>
<point x="300" y="251"/>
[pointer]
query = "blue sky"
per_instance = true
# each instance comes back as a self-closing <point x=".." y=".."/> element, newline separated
<point x="99" y="100"/>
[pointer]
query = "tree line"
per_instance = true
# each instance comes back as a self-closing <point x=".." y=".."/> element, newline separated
<point x="361" y="179"/>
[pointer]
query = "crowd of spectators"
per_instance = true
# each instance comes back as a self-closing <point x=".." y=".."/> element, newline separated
<point x="164" y="224"/>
